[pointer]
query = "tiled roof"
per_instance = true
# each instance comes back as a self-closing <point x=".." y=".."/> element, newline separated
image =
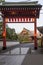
<point x="19" y="3"/>
<point x="40" y="29"/>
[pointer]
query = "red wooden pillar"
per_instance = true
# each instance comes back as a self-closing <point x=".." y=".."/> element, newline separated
<point x="4" y="34"/>
<point x="35" y="34"/>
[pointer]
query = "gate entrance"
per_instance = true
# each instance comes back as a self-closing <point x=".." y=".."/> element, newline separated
<point x="20" y="12"/>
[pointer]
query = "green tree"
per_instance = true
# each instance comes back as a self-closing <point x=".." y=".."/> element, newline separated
<point x="2" y="0"/>
<point x="11" y="34"/>
<point x="1" y="30"/>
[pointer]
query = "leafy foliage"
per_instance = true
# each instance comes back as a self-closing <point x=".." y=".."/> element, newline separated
<point x="10" y="33"/>
<point x="0" y="30"/>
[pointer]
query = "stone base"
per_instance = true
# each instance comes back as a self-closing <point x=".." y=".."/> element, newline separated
<point x="4" y="48"/>
<point x="35" y="48"/>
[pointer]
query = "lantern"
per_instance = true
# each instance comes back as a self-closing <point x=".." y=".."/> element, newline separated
<point x="4" y="33"/>
<point x="33" y="19"/>
<point x="6" y="19"/>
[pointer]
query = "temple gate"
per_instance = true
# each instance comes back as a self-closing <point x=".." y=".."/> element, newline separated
<point x="20" y="12"/>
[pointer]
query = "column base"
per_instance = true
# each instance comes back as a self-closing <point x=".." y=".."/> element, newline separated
<point x="4" y="48"/>
<point x="35" y="48"/>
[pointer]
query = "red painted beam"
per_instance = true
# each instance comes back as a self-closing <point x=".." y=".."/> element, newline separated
<point x="4" y="34"/>
<point x="35" y="35"/>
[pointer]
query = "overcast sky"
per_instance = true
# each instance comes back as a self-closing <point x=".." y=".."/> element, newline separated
<point x="19" y="26"/>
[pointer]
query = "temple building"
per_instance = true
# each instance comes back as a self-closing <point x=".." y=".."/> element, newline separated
<point x="41" y="34"/>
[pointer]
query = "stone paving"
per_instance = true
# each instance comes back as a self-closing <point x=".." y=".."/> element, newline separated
<point x="23" y="54"/>
<point x="33" y="59"/>
<point x="11" y="59"/>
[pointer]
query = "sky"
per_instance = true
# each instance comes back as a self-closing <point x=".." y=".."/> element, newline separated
<point x="30" y="26"/>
